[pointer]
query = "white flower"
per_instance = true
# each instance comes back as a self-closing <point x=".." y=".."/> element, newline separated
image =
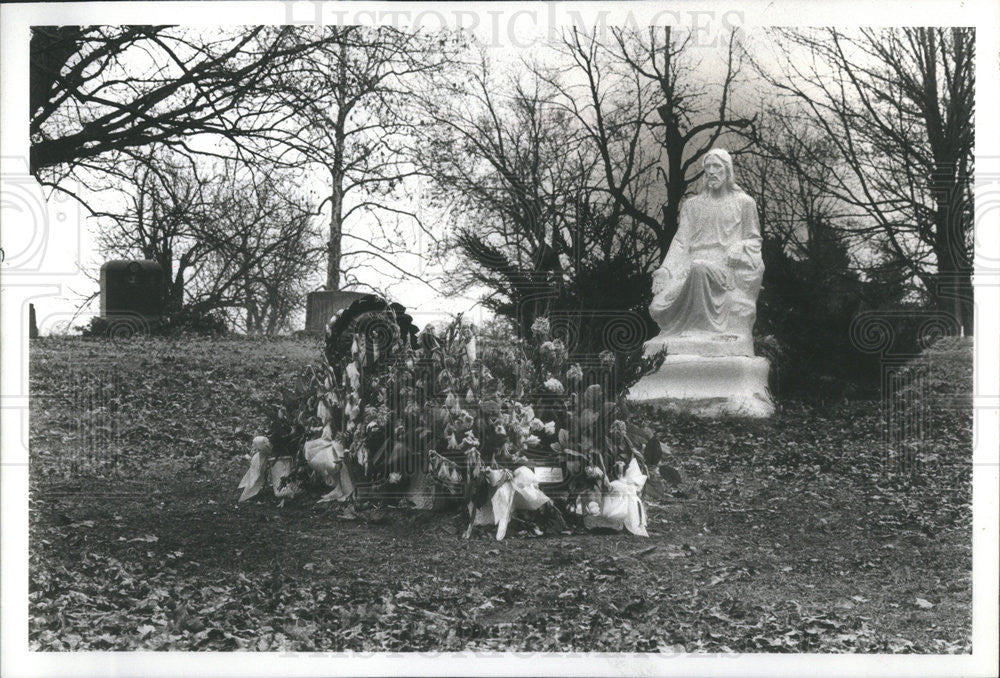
<point x="532" y="441"/>
<point x="550" y="428"/>
<point x="395" y="477"/>
<point x="536" y="425"/>
<point x="540" y="327"/>
<point x="554" y="385"/>
<point x="353" y="375"/>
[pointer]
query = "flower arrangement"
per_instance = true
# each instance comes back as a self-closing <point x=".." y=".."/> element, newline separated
<point x="423" y="416"/>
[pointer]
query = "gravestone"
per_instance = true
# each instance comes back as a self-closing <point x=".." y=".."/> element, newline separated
<point x="132" y="289"/>
<point x="321" y="305"/>
<point x="705" y="303"/>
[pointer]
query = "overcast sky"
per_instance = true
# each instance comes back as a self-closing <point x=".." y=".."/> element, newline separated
<point x="70" y="227"/>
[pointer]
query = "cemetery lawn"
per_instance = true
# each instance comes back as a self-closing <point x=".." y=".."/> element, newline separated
<point x="807" y="532"/>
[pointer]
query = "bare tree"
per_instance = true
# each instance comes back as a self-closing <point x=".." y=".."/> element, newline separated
<point x="228" y="239"/>
<point x="795" y="213"/>
<point x="353" y="97"/>
<point x="528" y="204"/>
<point x="897" y="105"/>
<point x="337" y="97"/>
<point x="95" y="89"/>
<point x="651" y="116"/>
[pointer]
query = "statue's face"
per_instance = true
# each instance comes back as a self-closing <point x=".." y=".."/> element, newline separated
<point x="715" y="173"/>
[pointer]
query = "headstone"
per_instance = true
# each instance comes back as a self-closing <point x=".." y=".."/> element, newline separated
<point x="705" y="303"/>
<point x="321" y="305"/>
<point x="132" y="288"/>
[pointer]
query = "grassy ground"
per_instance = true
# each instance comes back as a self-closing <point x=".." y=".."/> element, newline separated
<point x="822" y="529"/>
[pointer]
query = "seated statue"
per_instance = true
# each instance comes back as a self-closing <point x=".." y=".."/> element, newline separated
<point x="705" y="291"/>
<point x="705" y="303"/>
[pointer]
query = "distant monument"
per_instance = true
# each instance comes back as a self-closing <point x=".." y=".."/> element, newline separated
<point x="132" y="290"/>
<point x="705" y="302"/>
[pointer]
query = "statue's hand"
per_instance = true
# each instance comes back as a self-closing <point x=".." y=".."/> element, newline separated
<point x="735" y="255"/>
<point x="660" y="278"/>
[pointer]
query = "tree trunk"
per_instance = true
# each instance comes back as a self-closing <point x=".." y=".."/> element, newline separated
<point x="333" y="246"/>
<point x="954" y="293"/>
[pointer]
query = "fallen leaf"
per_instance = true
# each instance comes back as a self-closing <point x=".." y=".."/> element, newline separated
<point x="146" y="538"/>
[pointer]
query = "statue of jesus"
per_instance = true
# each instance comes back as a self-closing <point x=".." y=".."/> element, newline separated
<point x="705" y="302"/>
<point x="705" y="291"/>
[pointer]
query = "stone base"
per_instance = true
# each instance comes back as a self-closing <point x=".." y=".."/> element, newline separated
<point x="701" y="344"/>
<point x="708" y="386"/>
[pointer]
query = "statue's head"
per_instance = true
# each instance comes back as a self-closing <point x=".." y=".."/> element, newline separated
<point x="718" y="170"/>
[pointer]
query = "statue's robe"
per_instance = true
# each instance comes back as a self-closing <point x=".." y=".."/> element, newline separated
<point x="703" y="298"/>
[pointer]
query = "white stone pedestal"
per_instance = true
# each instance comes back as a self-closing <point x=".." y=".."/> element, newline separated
<point x="708" y="386"/>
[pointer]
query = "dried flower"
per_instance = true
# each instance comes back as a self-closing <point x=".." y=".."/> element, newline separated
<point x="574" y="374"/>
<point x="540" y="328"/>
<point x="395" y="477"/>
